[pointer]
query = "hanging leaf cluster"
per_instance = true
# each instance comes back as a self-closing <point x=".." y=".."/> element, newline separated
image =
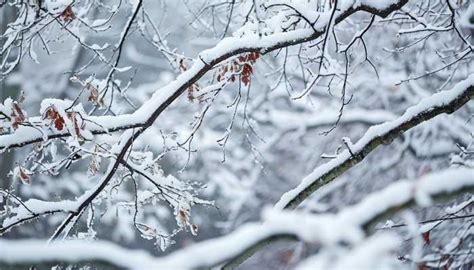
<point x="241" y="66"/>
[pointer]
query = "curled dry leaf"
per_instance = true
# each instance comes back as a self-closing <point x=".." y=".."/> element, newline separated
<point x="77" y="130"/>
<point x="56" y="119"/>
<point x="182" y="218"/>
<point x="194" y="229"/>
<point x="59" y="123"/>
<point x="94" y="95"/>
<point x="245" y="74"/>
<point x="426" y="237"/>
<point x="191" y="90"/>
<point x="17" y="115"/>
<point x="22" y="174"/>
<point x="68" y="14"/>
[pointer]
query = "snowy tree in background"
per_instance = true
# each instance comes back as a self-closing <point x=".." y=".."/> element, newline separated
<point x="298" y="134"/>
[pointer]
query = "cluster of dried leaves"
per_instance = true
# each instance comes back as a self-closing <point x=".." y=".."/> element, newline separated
<point x="241" y="66"/>
<point x="58" y="121"/>
<point x="183" y="217"/>
<point x="23" y="174"/>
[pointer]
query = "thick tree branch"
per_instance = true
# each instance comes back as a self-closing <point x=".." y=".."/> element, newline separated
<point x="379" y="200"/>
<point x="443" y="102"/>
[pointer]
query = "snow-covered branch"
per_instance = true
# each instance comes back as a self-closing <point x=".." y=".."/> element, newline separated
<point x="446" y="101"/>
<point x="346" y="226"/>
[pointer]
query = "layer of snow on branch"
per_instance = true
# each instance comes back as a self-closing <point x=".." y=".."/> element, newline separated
<point x="332" y="229"/>
<point x="30" y="251"/>
<point x="377" y="4"/>
<point x="375" y="253"/>
<point x="32" y="207"/>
